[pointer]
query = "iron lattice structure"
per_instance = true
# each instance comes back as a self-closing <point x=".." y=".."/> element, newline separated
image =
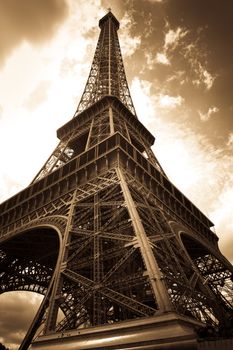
<point x="102" y="232"/>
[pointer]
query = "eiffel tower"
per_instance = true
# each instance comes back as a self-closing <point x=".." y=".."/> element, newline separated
<point x="124" y="260"/>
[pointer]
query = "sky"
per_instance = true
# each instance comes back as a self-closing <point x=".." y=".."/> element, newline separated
<point x="178" y="58"/>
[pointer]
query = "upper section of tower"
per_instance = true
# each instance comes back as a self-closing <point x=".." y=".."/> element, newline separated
<point x="107" y="74"/>
<point x="109" y="17"/>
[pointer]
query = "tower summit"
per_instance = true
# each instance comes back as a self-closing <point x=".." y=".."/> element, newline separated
<point x="106" y="83"/>
<point x="107" y="74"/>
<point x="104" y="235"/>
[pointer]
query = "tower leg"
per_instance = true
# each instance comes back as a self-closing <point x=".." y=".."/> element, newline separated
<point x="155" y="275"/>
<point x="37" y="319"/>
<point x="53" y="307"/>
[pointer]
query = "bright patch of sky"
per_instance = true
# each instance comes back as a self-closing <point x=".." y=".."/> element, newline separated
<point x="170" y="101"/>
<point x="206" y="116"/>
<point x="172" y="38"/>
<point x="128" y="42"/>
<point x="162" y="58"/>
<point x="200" y="167"/>
<point x="204" y="77"/>
<point x="43" y="87"/>
<point x="18" y="309"/>
<point x="230" y="140"/>
<point x="201" y="76"/>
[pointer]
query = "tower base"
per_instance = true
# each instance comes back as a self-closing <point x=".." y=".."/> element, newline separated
<point x="165" y="332"/>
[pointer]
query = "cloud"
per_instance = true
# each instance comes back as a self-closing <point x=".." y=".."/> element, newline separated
<point x="203" y="54"/>
<point x="8" y="186"/>
<point x="28" y="20"/>
<point x="208" y="79"/>
<point x="211" y="22"/>
<point x="170" y="101"/>
<point x="1" y="111"/>
<point x="38" y="95"/>
<point x="202" y="171"/>
<point x="140" y="91"/>
<point x="162" y="58"/>
<point x="182" y="47"/>
<point x="40" y="90"/>
<point x="172" y="43"/>
<point x="16" y="313"/>
<point x="148" y="25"/>
<point x="129" y="42"/>
<point x="173" y="37"/>
<point x="204" y="76"/>
<point x="230" y="140"/>
<point x="206" y="116"/>
<point x="177" y="76"/>
<point x="200" y="74"/>
<point x="151" y="60"/>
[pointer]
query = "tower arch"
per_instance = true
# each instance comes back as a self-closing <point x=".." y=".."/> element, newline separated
<point x="28" y="259"/>
<point x="212" y="266"/>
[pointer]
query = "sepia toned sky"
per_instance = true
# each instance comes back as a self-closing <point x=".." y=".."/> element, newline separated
<point x="178" y="58"/>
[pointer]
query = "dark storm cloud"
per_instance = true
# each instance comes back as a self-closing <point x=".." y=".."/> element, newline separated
<point x="30" y="20"/>
<point x="200" y="69"/>
<point x="216" y="17"/>
<point x="210" y="23"/>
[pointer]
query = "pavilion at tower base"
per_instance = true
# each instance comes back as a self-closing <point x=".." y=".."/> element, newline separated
<point x="166" y="331"/>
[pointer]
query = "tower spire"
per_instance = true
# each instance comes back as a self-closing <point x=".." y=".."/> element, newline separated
<point x="107" y="74"/>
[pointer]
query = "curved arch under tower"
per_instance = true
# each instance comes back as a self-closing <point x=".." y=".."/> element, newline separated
<point x="28" y="260"/>
<point x="213" y="267"/>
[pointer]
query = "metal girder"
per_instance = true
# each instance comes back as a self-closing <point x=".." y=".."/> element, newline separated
<point x="121" y="299"/>
<point x="128" y="303"/>
<point x="37" y="319"/>
<point x="103" y="234"/>
<point x="120" y="262"/>
<point x="198" y="298"/>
